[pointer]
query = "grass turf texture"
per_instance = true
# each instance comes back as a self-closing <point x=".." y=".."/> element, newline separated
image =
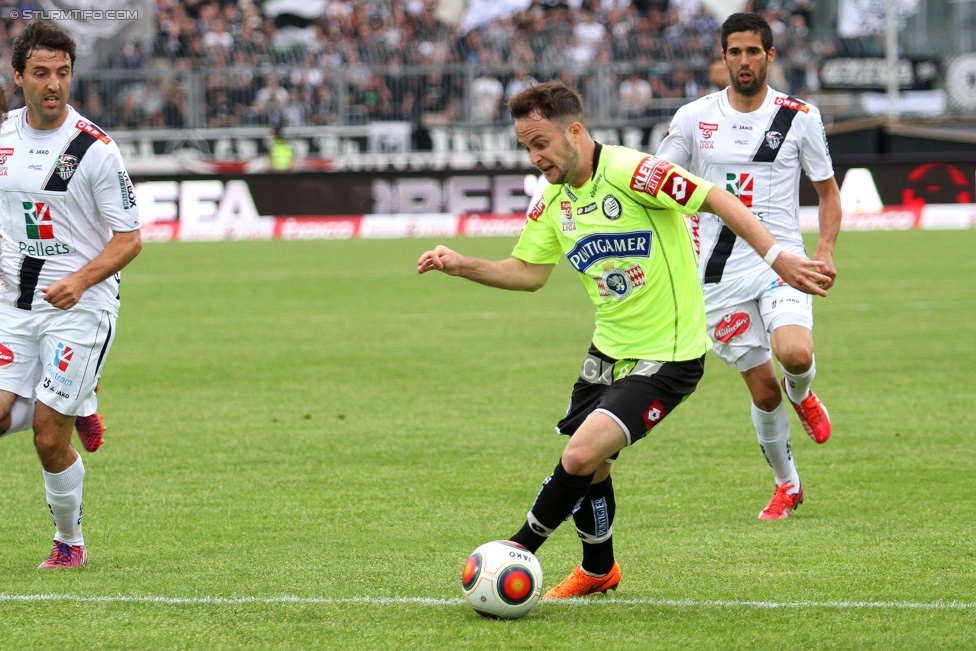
<point x="314" y="420"/>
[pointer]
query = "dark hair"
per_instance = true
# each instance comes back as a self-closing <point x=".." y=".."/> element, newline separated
<point x="41" y="36"/>
<point x="553" y="100"/>
<point x="747" y="23"/>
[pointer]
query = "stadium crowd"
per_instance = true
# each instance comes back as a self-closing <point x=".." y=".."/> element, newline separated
<point x="366" y="60"/>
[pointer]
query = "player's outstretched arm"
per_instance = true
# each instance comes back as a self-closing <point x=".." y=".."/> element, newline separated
<point x="797" y="271"/>
<point x="510" y="273"/>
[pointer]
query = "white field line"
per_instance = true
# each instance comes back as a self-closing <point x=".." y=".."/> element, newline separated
<point x="425" y="601"/>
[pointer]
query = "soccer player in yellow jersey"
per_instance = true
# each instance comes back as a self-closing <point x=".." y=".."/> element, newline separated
<point x="617" y="215"/>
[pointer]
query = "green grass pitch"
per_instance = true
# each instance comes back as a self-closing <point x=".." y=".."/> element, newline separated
<point x="306" y="439"/>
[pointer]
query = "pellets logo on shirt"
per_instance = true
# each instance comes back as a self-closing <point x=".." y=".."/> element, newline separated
<point x="62" y="357"/>
<point x="649" y="174"/>
<point x="537" y="210"/>
<point x="66" y="166"/>
<point x="37" y="219"/>
<point x="742" y="186"/>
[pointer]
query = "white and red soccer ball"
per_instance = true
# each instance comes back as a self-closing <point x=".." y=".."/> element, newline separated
<point x="502" y="579"/>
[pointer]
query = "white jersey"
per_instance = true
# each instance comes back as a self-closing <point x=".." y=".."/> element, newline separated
<point x="62" y="193"/>
<point x="756" y="156"/>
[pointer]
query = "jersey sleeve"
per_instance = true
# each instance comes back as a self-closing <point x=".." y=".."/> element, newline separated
<point x="538" y="243"/>
<point x="676" y="146"/>
<point x="113" y="192"/>
<point x="659" y="183"/>
<point x="814" y="152"/>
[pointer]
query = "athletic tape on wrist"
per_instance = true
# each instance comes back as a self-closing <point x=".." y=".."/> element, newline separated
<point x="771" y="254"/>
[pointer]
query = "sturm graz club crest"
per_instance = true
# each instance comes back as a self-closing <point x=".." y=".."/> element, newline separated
<point x="774" y="139"/>
<point x="611" y="207"/>
<point x="66" y="166"/>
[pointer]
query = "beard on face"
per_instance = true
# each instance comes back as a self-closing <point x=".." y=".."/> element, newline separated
<point x="749" y="89"/>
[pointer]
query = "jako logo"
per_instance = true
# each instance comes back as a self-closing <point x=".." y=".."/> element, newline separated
<point x="62" y="357"/>
<point x="37" y="219"/>
<point x="741" y="185"/>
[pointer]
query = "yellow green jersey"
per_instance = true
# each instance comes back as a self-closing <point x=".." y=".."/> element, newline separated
<point x="624" y="232"/>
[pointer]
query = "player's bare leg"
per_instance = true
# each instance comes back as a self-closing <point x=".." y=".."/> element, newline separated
<point x="793" y="347"/>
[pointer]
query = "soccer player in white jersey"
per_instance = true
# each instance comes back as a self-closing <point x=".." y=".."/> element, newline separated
<point x="753" y="141"/>
<point x="69" y="224"/>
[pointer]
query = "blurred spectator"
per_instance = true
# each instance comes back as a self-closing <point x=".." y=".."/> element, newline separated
<point x="718" y="76"/>
<point x="270" y="99"/>
<point x="486" y="98"/>
<point x="172" y="115"/>
<point x="518" y="83"/>
<point x="233" y="46"/>
<point x="635" y="96"/>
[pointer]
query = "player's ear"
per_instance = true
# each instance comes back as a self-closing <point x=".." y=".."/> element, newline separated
<point x="771" y="55"/>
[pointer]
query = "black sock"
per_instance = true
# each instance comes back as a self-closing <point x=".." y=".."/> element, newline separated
<point x="561" y="493"/>
<point x="594" y="524"/>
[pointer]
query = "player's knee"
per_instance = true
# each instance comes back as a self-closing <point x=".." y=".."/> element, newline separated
<point x="796" y="359"/>
<point x="49" y="444"/>
<point x="579" y="461"/>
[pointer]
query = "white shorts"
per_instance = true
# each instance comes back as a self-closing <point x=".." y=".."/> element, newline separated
<point x="741" y="313"/>
<point x="55" y="356"/>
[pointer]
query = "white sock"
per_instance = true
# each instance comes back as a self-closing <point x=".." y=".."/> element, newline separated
<point x="64" y="499"/>
<point x="773" y="431"/>
<point x="798" y="386"/>
<point x="21" y="415"/>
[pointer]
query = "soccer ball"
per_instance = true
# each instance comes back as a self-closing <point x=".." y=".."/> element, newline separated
<point x="502" y="580"/>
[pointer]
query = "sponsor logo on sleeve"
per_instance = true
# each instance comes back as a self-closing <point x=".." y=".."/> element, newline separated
<point x="791" y="104"/>
<point x="537" y="211"/>
<point x="128" y="192"/>
<point x="92" y="130"/>
<point x="649" y="174"/>
<point x="679" y="188"/>
<point x="5" y="153"/>
<point x="731" y="325"/>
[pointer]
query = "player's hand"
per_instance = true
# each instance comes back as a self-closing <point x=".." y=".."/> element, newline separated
<point x="65" y="293"/>
<point x="802" y="274"/>
<point x="440" y="259"/>
<point x="828" y="269"/>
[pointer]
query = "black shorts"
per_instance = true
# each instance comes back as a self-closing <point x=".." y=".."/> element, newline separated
<point x="636" y="393"/>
